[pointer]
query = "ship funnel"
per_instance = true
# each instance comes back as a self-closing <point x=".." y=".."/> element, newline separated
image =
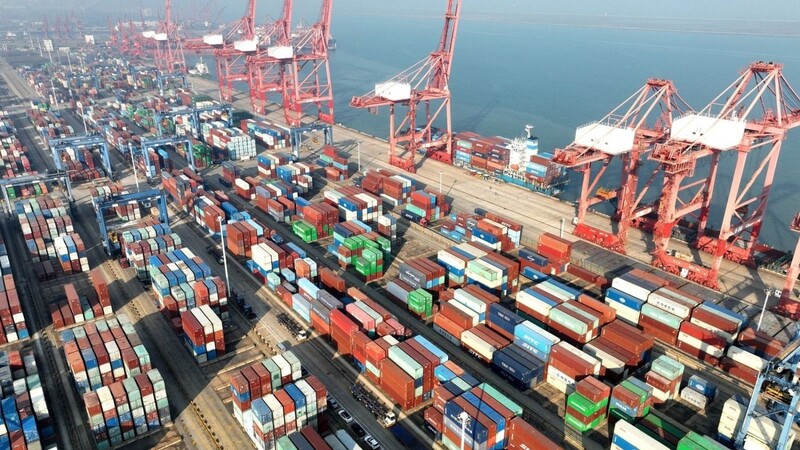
<point x="529" y="131"/>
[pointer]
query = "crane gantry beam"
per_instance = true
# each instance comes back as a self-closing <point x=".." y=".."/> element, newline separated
<point x="310" y="81"/>
<point x="169" y="57"/>
<point x="268" y="67"/>
<point x="754" y="112"/>
<point x="628" y="132"/>
<point x="423" y="83"/>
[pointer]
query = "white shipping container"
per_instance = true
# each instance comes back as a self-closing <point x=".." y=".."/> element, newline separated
<point x="609" y="362"/>
<point x="623" y="312"/>
<point x="693" y="342"/>
<point x="664" y="299"/>
<point x="628" y="285"/>
<point x="750" y="360"/>
<point x="472" y="342"/>
<point x="694" y="398"/>
<point x="636" y="437"/>
<point x="559" y="380"/>
<point x="533" y="303"/>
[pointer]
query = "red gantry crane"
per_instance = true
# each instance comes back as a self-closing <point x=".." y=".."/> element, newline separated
<point x="755" y="112"/>
<point x="425" y="82"/>
<point x="230" y="49"/>
<point x="310" y="81"/>
<point x="787" y="306"/>
<point x="629" y="132"/>
<point x="169" y="56"/>
<point x="268" y="68"/>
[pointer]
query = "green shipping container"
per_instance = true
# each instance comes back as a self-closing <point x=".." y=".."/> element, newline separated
<point x="573" y="324"/>
<point x="693" y="441"/>
<point x="501" y="398"/>
<point x="662" y="316"/>
<point x="667" y="367"/>
<point x="585" y="406"/>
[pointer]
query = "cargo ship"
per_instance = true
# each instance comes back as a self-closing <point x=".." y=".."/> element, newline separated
<point x="517" y="161"/>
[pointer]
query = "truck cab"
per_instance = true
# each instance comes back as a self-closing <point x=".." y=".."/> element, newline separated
<point x="389" y="419"/>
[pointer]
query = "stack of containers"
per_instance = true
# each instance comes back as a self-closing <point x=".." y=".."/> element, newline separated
<point x="493" y="420"/>
<point x="701" y="343"/>
<point x="180" y="189"/>
<point x="241" y="236"/>
<point x="574" y="321"/>
<point x="138" y="253"/>
<point x="495" y="273"/>
<point x="103" y="352"/>
<point x="230" y="171"/>
<point x="203" y="333"/>
<point x="664" y="312"/>
<point x="267" y="257"/>
<point x="126" y="409"/>
<point x="698" y="392"/>
<point x="763" y="431"/>
<point x="482" y="342"/>
<point x="335" y="163"/>
<point x="624" y="344"/>
<point x="297" y="174"/>
<point x="528" y="259"/>
<point x="693" y="440"/>
<point x="427" y="205"/>
<point x="387" y="226"/>
<point x="517" y="364"/>
<point x="568" y="365"/>
<point x="662" y="428"/>
<point x="43" y="220"/>
<point x="420" y="302"/>
<point x="627" y="294"/>
<point x="25" y="416"/>
<point x="396" y="189"/>
<point x="182" y="281"/>
<point x="320" y="218"/>
<point x="534" y="340"/>
<point x="536" y="303"/>
<point x="268" y="163"/>
<point x="271" y="134"/>
<point x="421" y="273"/>
<point x="76" y="308"/>
<point x="587" y="407"/>
<point x="759" y="343"/>
<point x="631" y="400"/>
<point x="719" y="320"/>
<point x="665" y="377"/>
<point x="743" y="364"/>
<point x="627" y="436"/>
<point x="232" y="142"/>
<point x="71" y="253"/>
<point x="558" y="252"/>
<point x="355" y="203"/>
<point x="342" y="329"/>
<point x="14" y="327"/>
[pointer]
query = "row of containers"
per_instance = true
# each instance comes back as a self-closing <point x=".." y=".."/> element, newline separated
<point x="394" y="189"/>
<point x="123" y="395"/>
<point x="406" y="368"/>
<point x="334" y="163"/>
<point x="14" y="327"/>
<point x="76" y="308"/>
<point x="233" y="143"/>
<point x="272" y="400"/>
<point x="14" y="161"/>
<point x="53" y="245"/>
<point x="297" y="176"/>
<point x="25" y="421"/>
<point x="487" y="229"/>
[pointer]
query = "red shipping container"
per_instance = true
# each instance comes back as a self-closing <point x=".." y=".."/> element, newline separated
<point x="763" y="343"/>
<point x="593" y="389"/>
<point x="397" y="384"/>
<point x="448" y="325"/>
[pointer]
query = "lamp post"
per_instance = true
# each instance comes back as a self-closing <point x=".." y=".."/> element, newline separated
<point x="358" y="151"/>
<point x="768" y="292"/>
<point x="224" y="256"/>
<point x="133" y="164"/>
<point x="464" y="419"/>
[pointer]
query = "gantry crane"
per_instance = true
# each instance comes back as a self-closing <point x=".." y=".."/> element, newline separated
<point x="230" y="50"/>
<point x="425" y="82"/>
<point x="110" y="241"/>
<point x="268" y="67"/>
<point x="310" y="81"/>
<point x="788" y="306"/>
<point x="725" y="125"/>
<point x="28" y="179"/>
<point x="169" y="56"/>
<point x="88" y="141"/>
<point x="780" y="374"/>
<point x="629" y="131"/>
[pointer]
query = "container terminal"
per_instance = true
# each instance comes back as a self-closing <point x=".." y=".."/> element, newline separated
<point x="182" y="272"/>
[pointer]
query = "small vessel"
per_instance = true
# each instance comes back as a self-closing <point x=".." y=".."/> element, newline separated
<point x="201" y="69"/>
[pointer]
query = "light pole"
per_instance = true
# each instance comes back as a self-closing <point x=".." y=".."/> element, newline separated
<point x="464" y="419"/>
<point x="440" y="181"/>
<point x="358" y="151"/>
<point x="768" y="292"/>
<point x="224" y="257"/>
<point x="133" y="164"/>
<point x="83" y="116"/>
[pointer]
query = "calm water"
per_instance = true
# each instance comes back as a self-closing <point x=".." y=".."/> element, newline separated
<point x="557" y="77"/>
